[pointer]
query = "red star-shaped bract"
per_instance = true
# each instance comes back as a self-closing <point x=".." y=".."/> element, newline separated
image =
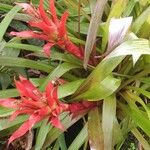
<point x="36" y="104"/>
<point x="51" y="29"/>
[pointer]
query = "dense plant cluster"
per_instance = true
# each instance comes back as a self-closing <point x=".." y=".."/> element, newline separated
<point x="74" y="74"/>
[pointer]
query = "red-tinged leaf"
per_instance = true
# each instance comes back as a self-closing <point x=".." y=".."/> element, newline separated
<point x="61" y="81"/>
<point x="95" y="130"/>
<point x="53" y="11"/>
<point x="108" y="119"/>
<point x="43" y="14"/>
<point x="10" y="103"/>
<point x="56" y="123"/>
<point x="75" y="107"/>
<point x="87" y="104"/>
<point x="63" y="107"/>
<point x="25" y="127"/>
<point x="93" y="28"/>
<point x="80" y="108"/>
<point x="62" y="27"/>
<point x="51" y="94"/>
<point x="47" y="48"/>
<point x="29" y="34"/>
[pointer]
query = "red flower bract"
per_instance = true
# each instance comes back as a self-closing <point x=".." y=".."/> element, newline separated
<point x="40" y="105"/>
<point x="52" y="29"/>
<point x="36" y="104"/>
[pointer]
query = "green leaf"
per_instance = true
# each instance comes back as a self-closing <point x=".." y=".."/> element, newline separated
<point x="79" y="140"/>
<point x="139" y="117"/>
<point x="69" y="88"/>
<point x="98" y="75"/>
<point x="92" y="4"/>
<point x="73" y="8"/>
<point x="21" y="62"/>
<point x="55" y="147"/>
<point x="66" y="57"/>
<point x="2" y="45"/>
<point x="58" y="72"/>
<point x="5" y="7"/>
<point x="117" y="9"/>
<point x="136" y="48"/>
<point x="6" y="21"/>
<point x="62" y="142"/>
<point x="141" y="120"/>
<point x="117" y="132"/>
<point x="95" y="132"/>
<point x="43" y="131"/>
<point x="83" y="27"/>
<point x="108" y="118"/>
<point x="140" y="91"/>
<point x="4" y="80"/>
<point x="100" y="90"/>
<point x="135" y="99"/>
<point x="144" y="30"/>
<point x="140" y="20"/>
<point x="4" y="112"/>
<point x="141" y="139"/>
<point x="8" y="93"/>
<point x="28" y="47"/>
<point x="129" y="8"/>
<point x="5" y="123"/>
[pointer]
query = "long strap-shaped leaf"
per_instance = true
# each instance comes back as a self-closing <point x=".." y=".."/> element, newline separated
<point x="6" y="21"/>
<point x="94" y="24"/>
<point x="79" y="140"/>
<point x="95" y="132"/>
<point x="21" y="62"/>
<point x="109" y="113"/>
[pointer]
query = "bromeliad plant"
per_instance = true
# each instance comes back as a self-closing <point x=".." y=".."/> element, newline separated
<point x="102" y="88"/>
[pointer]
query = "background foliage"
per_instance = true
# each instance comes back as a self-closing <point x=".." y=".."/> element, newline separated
<point x="119" y="81"/>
